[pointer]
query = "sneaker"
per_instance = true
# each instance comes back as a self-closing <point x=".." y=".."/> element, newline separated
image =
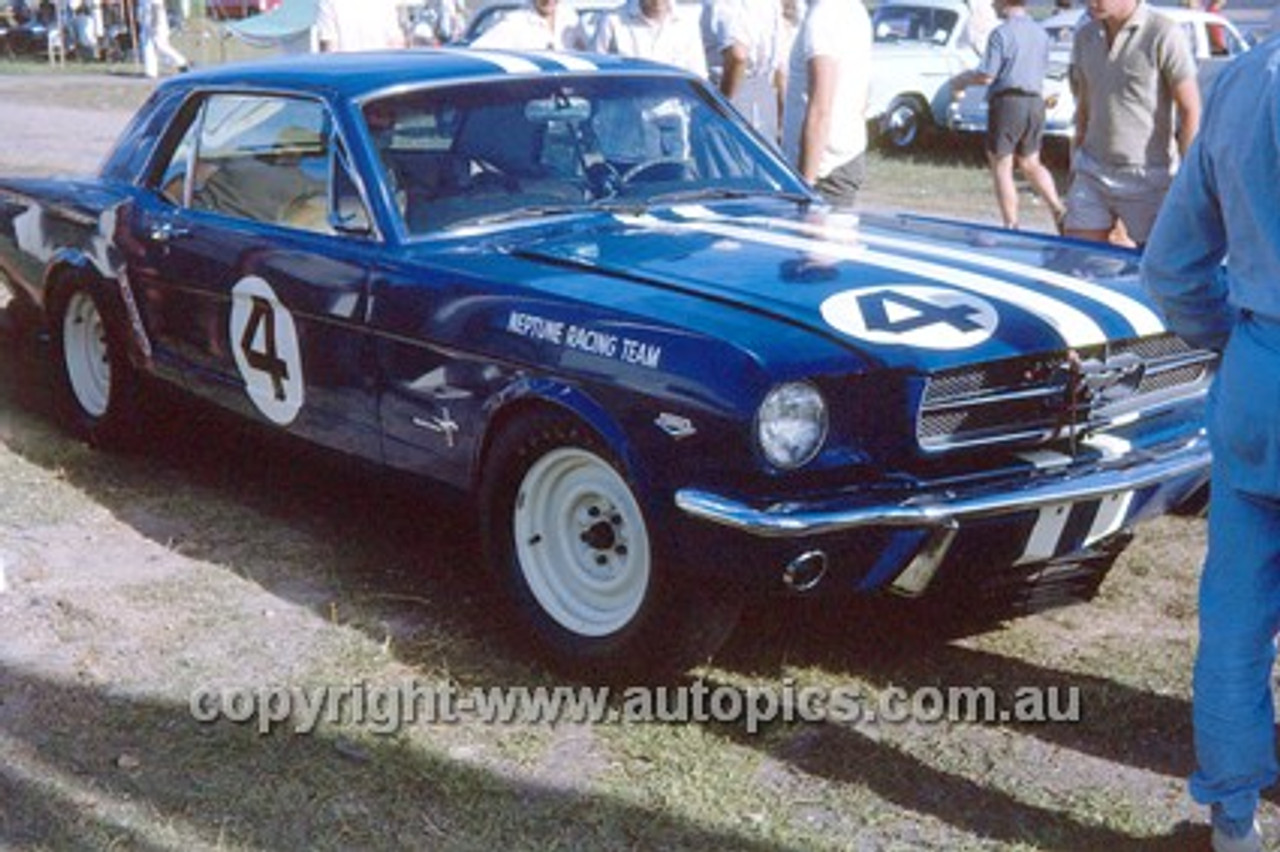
<point x="1251" y="842"/>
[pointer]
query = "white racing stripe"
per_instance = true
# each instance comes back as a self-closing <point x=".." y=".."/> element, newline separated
<point x="1074" y="326"/>
<point x="1042" y="544"/>
<point x="1112" y="512"/>
<point x="570" y="62"/>
<point x="1143" y="319"/>
<point x="507" y="62"/>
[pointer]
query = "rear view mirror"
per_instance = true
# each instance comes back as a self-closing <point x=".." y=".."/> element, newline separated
<point x="547" y="110"/>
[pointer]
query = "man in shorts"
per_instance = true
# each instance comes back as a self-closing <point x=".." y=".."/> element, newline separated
<point x="1014" y="67"/>
<point x="1131" y="70"/>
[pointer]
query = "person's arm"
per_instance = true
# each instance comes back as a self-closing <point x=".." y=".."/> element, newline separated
<point x="815" y="130"/>
<point x="1186" y="99"/>
<point x="972" y="77"/>
<point x="985" y="72"/>
<point x="1182" y="261"/>
<point x="734" y="69"/>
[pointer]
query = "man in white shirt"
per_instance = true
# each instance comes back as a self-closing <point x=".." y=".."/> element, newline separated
<point x="653" y="29"/>
<point x="542" y="25"/>
<point x="748" y="38"/>
<point x="825" y="127"/>
<point x="346" y="25"/>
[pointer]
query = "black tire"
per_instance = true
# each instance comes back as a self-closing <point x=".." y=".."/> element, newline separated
<point x="595" y="591"/>
<point x="905" y="123"/>
<point x="97" y="386"/>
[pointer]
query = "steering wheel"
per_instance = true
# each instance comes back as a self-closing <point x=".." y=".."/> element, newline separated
<point x="676" y="166"/>
<point x="603" y="179"/>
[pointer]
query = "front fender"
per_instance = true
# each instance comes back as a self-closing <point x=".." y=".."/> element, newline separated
<point x="528" y="392"/>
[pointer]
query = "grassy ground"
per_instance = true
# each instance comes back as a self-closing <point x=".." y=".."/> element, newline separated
<point x="221" y="558"/>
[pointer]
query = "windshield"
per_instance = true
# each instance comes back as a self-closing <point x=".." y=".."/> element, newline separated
<point x="913" y="23"/>
<point x="457" y="155"/>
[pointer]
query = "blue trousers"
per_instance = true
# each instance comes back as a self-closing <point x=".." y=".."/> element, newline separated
<point x="1233" y="708"/>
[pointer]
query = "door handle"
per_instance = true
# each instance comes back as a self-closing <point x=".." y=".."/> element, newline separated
<point x="163" y="232"/>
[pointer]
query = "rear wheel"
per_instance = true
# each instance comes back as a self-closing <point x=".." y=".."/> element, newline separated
<point x="591" y="585"/>
<point x="98" y="387"/>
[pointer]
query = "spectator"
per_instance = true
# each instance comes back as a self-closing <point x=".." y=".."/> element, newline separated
<point x="86" y="33"/>
<point x="153" y="21"/>
<point x="1130" y="68"/>
<point x="747" y="39"/>
<point x="1014" y="68"/>
<point x="1216" y="32"/>
<point x="825" y="132"/>
<point x="1222" y="207"/>
<point x="450" y="20"/>
<point x="653" y="29"/>
<point x="542" y="25"/>
<point x="347" y="25"/>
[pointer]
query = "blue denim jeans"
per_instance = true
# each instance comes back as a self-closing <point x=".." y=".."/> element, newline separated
<point x="1233" y="707"/>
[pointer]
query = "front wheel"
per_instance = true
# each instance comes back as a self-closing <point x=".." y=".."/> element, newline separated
<point x="98" y="386"/>
<point x="591" y="585"/>
<point x="905" y="122"/>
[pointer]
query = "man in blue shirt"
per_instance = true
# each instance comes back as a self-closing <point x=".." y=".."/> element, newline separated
<point x="1222" y="206"/>
<point x="1014" y="67"/>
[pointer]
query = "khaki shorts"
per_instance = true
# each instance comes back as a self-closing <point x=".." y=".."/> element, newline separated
<point x="1100" y="194"/>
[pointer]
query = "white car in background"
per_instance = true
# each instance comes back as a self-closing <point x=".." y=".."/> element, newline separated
<point x="1214" y="41"/>
<point x="919" y="45"/>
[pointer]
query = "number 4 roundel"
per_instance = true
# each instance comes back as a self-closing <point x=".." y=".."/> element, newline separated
<point x="913" y="315"/>
<point x="265" y="342"/>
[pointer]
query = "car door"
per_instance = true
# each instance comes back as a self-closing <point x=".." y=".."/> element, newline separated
<point x="249" y="285"/>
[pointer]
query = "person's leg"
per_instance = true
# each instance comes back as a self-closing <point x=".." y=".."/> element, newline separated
<point x="1006" y="191"/>
<point x="1232" y="705"/>
<point x="1002" y="135"/>
<point x="1089" y="214"/>
<point x="1041" y="180"/>
<point x="840" y="188"/>
<point x="1028" y="160"/>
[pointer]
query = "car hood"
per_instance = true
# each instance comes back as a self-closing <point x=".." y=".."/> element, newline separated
<point x="905" y="292"/>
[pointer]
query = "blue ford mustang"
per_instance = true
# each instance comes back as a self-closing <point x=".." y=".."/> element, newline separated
<point x="582" y="291"/>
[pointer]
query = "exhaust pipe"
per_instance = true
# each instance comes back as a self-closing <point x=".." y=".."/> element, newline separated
<point x="805" y="571"/>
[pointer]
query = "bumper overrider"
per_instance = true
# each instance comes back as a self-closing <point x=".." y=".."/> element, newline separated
<point x="1046" y="517"/>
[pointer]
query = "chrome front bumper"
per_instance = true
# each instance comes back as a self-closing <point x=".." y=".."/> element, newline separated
<point x="1130" y="472"/>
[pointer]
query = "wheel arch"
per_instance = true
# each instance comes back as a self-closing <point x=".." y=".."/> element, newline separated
<point x="67" y="270"/>
<point x="528" y="397"/>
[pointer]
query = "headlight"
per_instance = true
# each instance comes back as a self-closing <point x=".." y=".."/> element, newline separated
<point x="792" y="424"/>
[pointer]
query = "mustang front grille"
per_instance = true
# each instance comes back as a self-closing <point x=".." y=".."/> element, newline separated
<point x="1042" y="398"/>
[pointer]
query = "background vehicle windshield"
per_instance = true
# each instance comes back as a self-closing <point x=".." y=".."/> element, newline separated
<point x="472" y="152"/>
<point x="913" y="23"/>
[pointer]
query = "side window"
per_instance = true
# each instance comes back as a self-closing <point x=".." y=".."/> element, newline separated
<point x="264" y="159"/>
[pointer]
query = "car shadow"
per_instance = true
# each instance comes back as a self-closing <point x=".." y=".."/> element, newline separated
<point x="84" y="768"/>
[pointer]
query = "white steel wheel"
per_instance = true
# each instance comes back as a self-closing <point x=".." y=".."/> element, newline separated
<point x="581" y="542"/>
<point x="86" y="355"/>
